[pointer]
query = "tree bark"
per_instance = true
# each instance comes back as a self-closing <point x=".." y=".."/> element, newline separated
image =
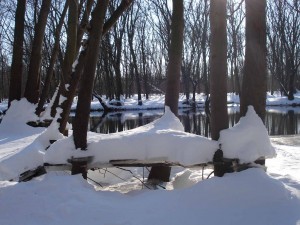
<point x="32" y="89"/>
<point x="218" y="78"/>
<point x="83" y="62"/>
<point x="83" y="24"/>
<point x="80" y="123"/>
<point x="254" y="84"/>
<point x="15" y="88"/>
<point x="218" y="64"/>
<point x="50" y="70"/>
<point x="173" y="76"/>
<point x="69" y="59"/>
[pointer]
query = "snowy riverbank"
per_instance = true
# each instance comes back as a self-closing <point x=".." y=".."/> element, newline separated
<point x="158" y="101"/>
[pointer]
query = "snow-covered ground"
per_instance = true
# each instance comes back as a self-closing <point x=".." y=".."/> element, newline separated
<point x="157" y="101"/>
<point x="249" y="197"/>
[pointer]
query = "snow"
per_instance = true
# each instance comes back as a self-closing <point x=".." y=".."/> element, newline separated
<point x="163" y="139"/>
<point x="20" y="112"/>
<point x="285" y="166"/>
<point x="251" y="140"/>
<point x="46" y="115"/>
<point x="157" y="101"/>
<point x="18" y="144"/>
<point x="249" y="197"/>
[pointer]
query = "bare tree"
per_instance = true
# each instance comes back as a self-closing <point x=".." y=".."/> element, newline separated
<point x="235" y="43"/>
<point x="218" y="77"/>
<point x="53" y="59"/>
<point x="218" y="64"/>
<point x="254" y="85"/>
<point x="15" y="88"/>
<point x="33" y="81"/>
<point x="131" y="29"/>
<point x="173" y="76"/>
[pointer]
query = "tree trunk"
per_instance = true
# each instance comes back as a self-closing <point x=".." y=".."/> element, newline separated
<point x="173" y="77"/>
<point x="32" y="89"/>
<point x="117" y="63"/>
<point x="53" y="59"/>
<point x="218" y="78"/>
<point x="135" y="70"/>
<point x="82" y="63"/>
<point x="15" y="88"/>
<point x="218" y="62"/>
<point x="83" y="24"/>
<point x="254" y="84"/>
<point x="204" y="41"/>
<point x="69" y="59"/>
<point x="81" y="120"/>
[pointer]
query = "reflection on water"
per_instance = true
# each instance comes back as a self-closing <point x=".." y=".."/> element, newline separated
<point x="278" y="121"/>
<point x="283" y="123"/>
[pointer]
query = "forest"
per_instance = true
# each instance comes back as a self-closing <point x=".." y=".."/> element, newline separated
<point x="217" y="66"/>
<point x="134" y="53"/>
<point x="62" y="49"/>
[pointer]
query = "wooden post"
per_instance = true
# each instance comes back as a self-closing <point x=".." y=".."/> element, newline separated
<point x="220" y="165"/>
<point x="79" y="165"/>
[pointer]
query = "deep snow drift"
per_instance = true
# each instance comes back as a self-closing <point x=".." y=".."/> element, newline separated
<point x="250" y="197"/>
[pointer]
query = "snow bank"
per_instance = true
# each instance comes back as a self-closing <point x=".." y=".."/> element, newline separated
<point x="16" y="117"/>
<point x="19" y="149"/>
<point x="163" y="139"/>
<point x="249" y="197"/>
<point x="248" y="140"/>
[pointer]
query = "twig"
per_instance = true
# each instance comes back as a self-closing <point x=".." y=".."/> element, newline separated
<point x="134" y="176"/>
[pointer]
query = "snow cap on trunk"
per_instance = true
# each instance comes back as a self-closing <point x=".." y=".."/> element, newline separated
<point x="248" y="140"/>
<point x="169" y="121"/>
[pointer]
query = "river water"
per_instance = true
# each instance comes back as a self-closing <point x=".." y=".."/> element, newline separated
<point x="278" y="121"/>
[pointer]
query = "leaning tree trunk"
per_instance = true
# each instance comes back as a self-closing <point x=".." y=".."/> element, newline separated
<point x="173" y="77"/>
<point x="83" y="24"/>
<point x="80" y="124"/>
<point x="81" y="121"/>
<point x="70" y="56"/>
<point x="254" y="84"/>
<point x="50" y="70"/>
<point x="15" y="87"/>
<point x="76" y="73"/>
<point x="32" y="89"/>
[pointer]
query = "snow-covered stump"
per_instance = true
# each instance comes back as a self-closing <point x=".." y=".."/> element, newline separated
<point x="246" y="145"/>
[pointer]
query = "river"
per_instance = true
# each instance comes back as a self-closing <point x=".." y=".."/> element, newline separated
<point x="278" y="121"/>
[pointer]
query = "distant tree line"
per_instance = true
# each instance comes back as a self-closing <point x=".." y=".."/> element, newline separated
<point x="134" y="54"/>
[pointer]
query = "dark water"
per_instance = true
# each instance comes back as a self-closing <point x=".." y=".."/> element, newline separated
<point x="278" y="121"/>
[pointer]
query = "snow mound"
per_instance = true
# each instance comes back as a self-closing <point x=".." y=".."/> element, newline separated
<point x="250" y="197"/>
<point x="18" y="114"/>
<point x="248" y="140"/>
<point x="161" y="140"/>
